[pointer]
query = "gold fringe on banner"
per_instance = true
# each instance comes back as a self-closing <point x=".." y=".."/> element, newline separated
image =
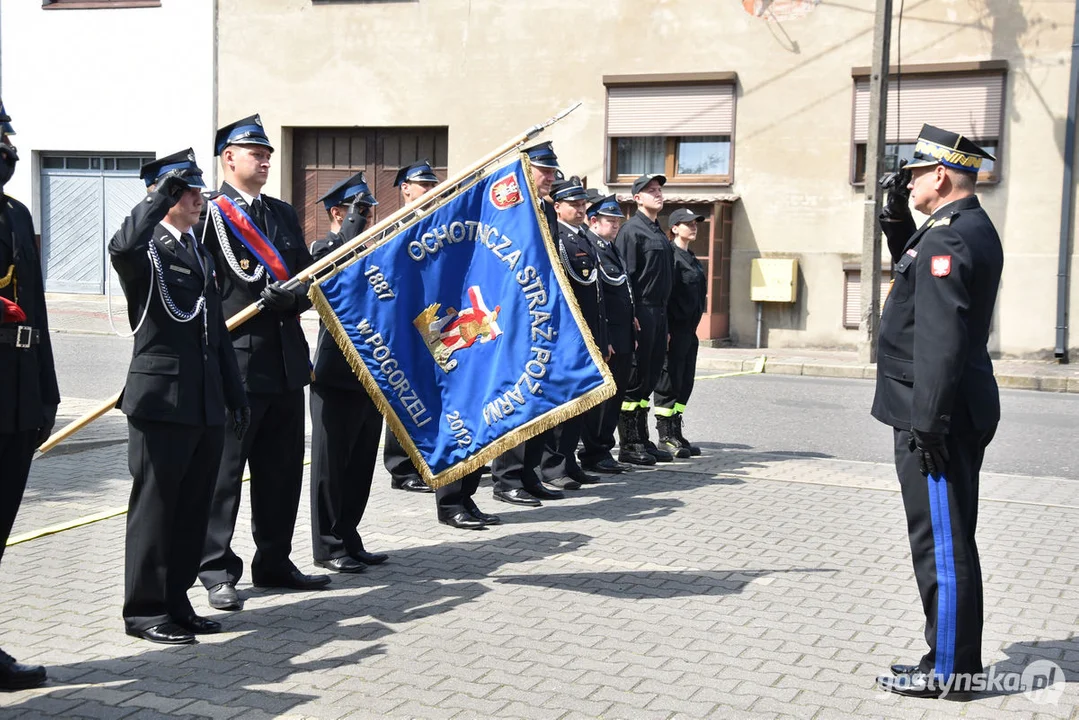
<point x="513" y="438"/>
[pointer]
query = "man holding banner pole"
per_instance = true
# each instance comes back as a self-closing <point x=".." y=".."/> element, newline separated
<point x="258" y="244"/>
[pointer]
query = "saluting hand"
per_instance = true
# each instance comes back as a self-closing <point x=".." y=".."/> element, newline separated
<point x="897" y="206"/>
<point x="172" y="186"/>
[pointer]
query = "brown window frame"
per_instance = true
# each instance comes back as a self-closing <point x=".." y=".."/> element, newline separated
<point x="671" y="147"/>
<point x="97" y="4"/>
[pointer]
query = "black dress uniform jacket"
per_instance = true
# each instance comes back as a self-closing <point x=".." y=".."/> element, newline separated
<point x="949" y="382"/>
<point x="270" y="347"/>
<point x="581" y="264"/>
<point x="27" y="375"/>
<point x="178" y="372"/>
<point x="618" y="306"/>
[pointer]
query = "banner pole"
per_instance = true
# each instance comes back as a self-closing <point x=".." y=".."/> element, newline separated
<point x="432" y="196"/>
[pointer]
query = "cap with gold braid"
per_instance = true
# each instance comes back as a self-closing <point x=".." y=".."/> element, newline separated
<point x="936" y="146"/>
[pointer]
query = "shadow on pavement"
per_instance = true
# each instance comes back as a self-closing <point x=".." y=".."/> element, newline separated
<point x="278" y="642"/>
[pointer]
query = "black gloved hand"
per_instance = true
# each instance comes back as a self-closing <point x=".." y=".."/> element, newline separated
<point x="172" y="186"/>
<point x="897" y="206"/>
<point x="45" y="430"/>
<point x="241" y="420"/>
<point x="356" y="219"/>
<point x="278" y="298"/>
<point x="932" y="449"/>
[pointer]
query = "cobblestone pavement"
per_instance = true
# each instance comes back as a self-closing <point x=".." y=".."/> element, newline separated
<point x="733" y="585"/>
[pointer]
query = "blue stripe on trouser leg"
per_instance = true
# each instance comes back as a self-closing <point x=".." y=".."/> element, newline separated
<point x="946" y="579"/>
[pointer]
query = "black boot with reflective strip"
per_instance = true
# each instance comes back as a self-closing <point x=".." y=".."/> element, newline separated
<point x="659" y="454"/>
<point x="668" y="440"/>
<point x="677" y="422"/>
<point x="629" y="450"/>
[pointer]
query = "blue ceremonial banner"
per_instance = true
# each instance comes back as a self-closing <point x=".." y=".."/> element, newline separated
<point x="463" y="329"/>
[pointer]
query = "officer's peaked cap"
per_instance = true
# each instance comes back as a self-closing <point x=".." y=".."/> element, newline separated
<point x="248" y="131"/>
<point x="182" y="162"/>
<point x="416" y="172"/>
<point x="936" y="146"/>
<point x="346" y="191"/>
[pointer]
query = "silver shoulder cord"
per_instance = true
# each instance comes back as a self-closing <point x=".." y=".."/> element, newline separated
<point x="226" y="247"/>
<point x="163" y="292"/>
<point x="569" y="268"/>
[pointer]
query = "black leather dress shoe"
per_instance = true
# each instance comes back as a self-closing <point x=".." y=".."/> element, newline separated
<point x="565" y="483"/>
<point x="606" y="466"/>
<point x="916" y="684"/>
<point x="344" y="564"/>
<point x="899" y="669"/>
<point x="543" y="492"/>
<point x="199" y="625"/>
<point x="584" y="478"/>
<point x="483" y="517"/>
<point x="369" y="558"/>
<point x="223" y="597"/>
<point x="411" y="484"/>
<point x="517" y="496"/>
<point x="462" y="521"/>
<point x="291" y="580"/>
<point x="168" y="633"/>
<point x="16" y="676"/>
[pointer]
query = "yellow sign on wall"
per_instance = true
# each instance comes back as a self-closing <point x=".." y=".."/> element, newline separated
<point x="774" y="280"/>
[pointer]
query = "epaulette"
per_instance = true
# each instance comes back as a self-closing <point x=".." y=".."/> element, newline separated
<point x="940" y="223"/>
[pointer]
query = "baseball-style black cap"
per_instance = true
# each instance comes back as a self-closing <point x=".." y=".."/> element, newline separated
<point x="643" y="180"/>
<point x="683" y="215"/>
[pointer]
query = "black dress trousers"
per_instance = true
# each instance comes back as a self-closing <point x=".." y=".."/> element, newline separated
<point x="457" y="496"/>
<point x="345" y="429"/>
<point x="942" y="516"/>
<point x="597" y="429"/>
<point x="273" y="449"/>
<point x="16" y="453"/>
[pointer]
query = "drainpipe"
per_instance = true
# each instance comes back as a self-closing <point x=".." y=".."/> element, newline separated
<point x="1067" y="208"/>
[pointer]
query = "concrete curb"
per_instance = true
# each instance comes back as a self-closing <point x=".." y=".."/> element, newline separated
<point x="869" y="372"/>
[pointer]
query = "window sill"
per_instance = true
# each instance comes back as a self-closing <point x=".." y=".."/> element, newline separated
<point x="99" y="4"/>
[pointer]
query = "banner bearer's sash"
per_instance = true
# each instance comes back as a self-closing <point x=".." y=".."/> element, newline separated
<point x="463" y="329"/>
<point x="243" y="227"/>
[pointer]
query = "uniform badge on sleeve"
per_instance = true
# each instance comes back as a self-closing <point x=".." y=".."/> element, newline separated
<point x="941" y="265"/>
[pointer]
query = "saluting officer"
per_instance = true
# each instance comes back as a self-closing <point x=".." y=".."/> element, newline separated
<point x="516" y="472"/>
<point x="182" y="384"/>
<point x="689" y="294"/>
<point x="578" y="256"/>
<point x="345" y="424"/>
<point x="414" y="180"/>
<point x="935" y="387"/>
<point x="257" y="243"/>
<point x="597" y="435"/>
<point x="27" y="376"/>
<point x="650" y="264"/>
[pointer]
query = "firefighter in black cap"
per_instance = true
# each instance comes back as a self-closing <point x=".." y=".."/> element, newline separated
<point x="257" y="244"/>
<point x="182" y="385"/>
<point x="689" y="293"/>
<point x="935" y="388"/>
<point x="27" y="376"/>
<point x="579" y="260"/>
<point x="604" y="220"/>
<point x="345" y="424"/>
<point x="414" y="180"/>
<point x="650" y="265"/>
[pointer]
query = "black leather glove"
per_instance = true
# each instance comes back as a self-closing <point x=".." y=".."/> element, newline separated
<point x="932" y="449"/>
<point x="897" y="206"/>
<point x="45" y="430"/>
<point x="356" y="220"/>
<point x="241" y="420"/>
<point x="172" y="186"/>
<point x="278" y="298"/>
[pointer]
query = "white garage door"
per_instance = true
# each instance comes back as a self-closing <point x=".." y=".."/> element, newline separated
<point x="84" y="200"/>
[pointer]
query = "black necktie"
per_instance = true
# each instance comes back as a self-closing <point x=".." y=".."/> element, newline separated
<point x="187" y="251"/>
<point x="258" y="213"/>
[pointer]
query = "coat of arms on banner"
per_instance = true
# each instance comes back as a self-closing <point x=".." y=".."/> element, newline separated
<point x="457" y="330"/>
<point x="506" y="192"/>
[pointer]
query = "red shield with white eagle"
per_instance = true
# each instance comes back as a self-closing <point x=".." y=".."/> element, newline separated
<point x="941" y="266"/>
<point x="506" y="192"/>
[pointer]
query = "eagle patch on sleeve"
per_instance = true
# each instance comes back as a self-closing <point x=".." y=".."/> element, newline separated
<point x="941" y="265"/>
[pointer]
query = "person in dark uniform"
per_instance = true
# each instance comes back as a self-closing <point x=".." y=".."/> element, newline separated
<point x="604" y="220"/>
<point x="689" y="293"/>
<point x="27" y="375"/>
<point x="935" y="388"/>
<point x="516" y="472"/>
<point x="256" y="240"/>
<point x="414" y="180"/>
<point x="345" y="424"/>
<point x="579" y="260"/>
<point x="650" y="265"/>
<point x="182" y="384"/>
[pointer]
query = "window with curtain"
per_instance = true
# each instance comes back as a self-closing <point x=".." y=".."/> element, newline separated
<point x="683" y="130"/>
<point x="969" y="103"/>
